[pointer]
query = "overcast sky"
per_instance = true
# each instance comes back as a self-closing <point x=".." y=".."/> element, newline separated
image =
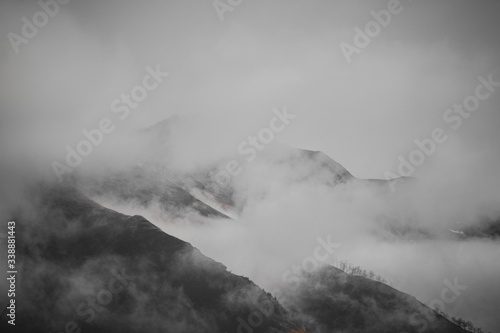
<point x="265" y="54"/>
<point x="230" y="74"/>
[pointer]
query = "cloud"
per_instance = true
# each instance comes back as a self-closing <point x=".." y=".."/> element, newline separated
<point x="225" y="79"/>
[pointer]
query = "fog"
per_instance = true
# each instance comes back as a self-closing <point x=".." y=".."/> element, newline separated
<point x="224" y="80"/>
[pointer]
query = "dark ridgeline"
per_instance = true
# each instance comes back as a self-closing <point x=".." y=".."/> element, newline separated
<point x="88" y="268"/>
<point x="170" y="285"/>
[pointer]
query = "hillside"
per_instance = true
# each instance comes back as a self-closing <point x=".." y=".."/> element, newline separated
<point x="339" y="302"/>
<point x="100" y="271"/>
<point x="86" y="268"/>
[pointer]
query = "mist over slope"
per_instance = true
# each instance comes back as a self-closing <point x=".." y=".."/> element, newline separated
<point x="79" y="61"/>
<point x="284" y="192"/>
<point x="298" y="195"/>
<point x="339" y="302"/>
<point x="92" y="269"/>
<point x="85" y="266"/>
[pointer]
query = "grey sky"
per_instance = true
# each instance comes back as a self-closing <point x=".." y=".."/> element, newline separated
<point x="267" y="54"/>
<point x="263" y="55"/>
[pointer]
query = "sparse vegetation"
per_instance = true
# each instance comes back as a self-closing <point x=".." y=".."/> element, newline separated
<point x="465" y="324"/>
<point x="349" y="268"/>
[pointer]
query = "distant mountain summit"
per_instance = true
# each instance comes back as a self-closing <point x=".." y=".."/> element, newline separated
<point x="322" y="163"/>
<point x="87" y="268"/>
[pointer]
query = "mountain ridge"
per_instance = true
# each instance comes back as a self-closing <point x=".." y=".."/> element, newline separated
<point x="77" y="246"/>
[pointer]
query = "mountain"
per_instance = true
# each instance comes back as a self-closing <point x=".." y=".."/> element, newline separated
<point x="485" y="228"/>
<point x="86" y="268"/>
<point x="145" y="185"/>
<point x="335" y="301"/>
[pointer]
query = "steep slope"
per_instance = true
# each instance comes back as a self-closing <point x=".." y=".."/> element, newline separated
<point x="322" y="163"/>
<point x="147" y="185"/>
<point x="84" y="267"/>
<point x="334" y="301"/>
<point x="150" y="182"/>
